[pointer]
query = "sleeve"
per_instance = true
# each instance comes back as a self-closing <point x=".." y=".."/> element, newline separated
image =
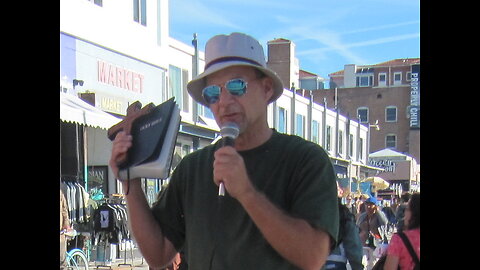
<point x="168" y="210"/>
<point x="314" y="190"/>
<point x="353" y="246"/>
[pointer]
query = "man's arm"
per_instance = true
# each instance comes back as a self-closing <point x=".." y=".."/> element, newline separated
<point x="156" y="249"/>
<point x="293" y="238"/>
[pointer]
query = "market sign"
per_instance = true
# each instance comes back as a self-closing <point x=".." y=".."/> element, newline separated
<point x="414" y="109"/>
<point x="387" y="165"/>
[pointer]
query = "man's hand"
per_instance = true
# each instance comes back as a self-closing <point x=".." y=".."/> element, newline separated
<point x="121" y="144"/>
<point x="229" y="167"/>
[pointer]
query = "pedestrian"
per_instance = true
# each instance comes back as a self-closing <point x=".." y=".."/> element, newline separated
<point x="397" y="252"/>
<point x="64" y="225"/>
<point x="349" y="247"/>
<point x="399" y="214"/>
<point x="372" y="224"/>
<point x="280" y="208"/>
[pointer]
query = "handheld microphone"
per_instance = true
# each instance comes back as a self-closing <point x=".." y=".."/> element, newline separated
<point x="229" y="132"/>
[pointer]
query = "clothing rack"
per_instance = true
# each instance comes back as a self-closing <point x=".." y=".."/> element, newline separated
<point x="111" y="226"/>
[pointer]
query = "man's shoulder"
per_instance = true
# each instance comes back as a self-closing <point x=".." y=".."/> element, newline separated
<point x="296" y="142"/>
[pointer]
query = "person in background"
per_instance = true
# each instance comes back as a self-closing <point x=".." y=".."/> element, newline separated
<point x="64" y="225"/>
<point x="349" y="247"/>
<point x="280" y="207"/>
<point x="397" y="253"/>
<point x="372" y="225"/>
<point x="399" y="214"/>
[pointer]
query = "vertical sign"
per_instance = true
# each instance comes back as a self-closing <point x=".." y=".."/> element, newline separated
<point x="414" y="110"/>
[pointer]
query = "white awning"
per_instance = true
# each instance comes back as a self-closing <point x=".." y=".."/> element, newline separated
<point x="73" y="109"/>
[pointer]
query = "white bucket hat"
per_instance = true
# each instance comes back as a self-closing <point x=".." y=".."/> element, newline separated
<point x="236" y="49"/>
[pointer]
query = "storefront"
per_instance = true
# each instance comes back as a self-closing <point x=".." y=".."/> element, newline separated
<point x="400" y="170"/>
<point x="110" y="81"/>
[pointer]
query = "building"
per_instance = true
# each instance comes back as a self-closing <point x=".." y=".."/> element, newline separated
<point x="298" y="111"/>
<point x="123" y="53"/>
<point x="400" y="170"/>
<point x="383" y="96"/>
<point x="386" y="94"/>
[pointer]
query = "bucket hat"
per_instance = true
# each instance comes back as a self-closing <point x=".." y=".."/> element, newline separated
<point x="236" y="49"/>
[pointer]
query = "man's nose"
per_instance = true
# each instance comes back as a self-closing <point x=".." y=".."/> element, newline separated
<point x="225" y="97"/>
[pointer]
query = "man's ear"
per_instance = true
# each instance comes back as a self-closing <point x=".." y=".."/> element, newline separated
<point x="267" y="83"/>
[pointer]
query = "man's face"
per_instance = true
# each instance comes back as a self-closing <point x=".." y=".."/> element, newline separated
<point x="248" y="110"/>
<point x="370" y="208"/>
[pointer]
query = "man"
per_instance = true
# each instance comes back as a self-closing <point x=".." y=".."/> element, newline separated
<point x="372" y="224"/>
<point x="280" y="208"/>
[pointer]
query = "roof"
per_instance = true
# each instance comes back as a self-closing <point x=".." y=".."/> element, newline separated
<point x="391" y="63"/>
<point x="387" y="153"/>
<point x="73" y="109"/>
<point x="304" y="74"/>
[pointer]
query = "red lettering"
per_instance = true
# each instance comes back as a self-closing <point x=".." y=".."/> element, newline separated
<point x="128" y="80"/>
<point x="120" y="77"/>
<point x="112" y="76"/>
<point x="140" y="78"/>
<point x="102" y="71"/>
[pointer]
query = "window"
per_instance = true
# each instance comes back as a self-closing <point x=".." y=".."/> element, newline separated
<point x="300" y="125"/>
<point x="328" y="145"/>
<point x="409" y="76"/>
<point x="315" y="132"/>
<point x="340" y="142"/>
<point x="350" y="150"/>
<point x="140" y="11"/>
<point x="382" y="79"/>
<point x="360" y="149"/>
<point x="362" y="113"/>
<point x="391" y="114"/>
<point x="97" y="2"/>
<point x="282" y="120"/>
<point x="364" y="80"/>
<point x="397" y="78"/>
<point x="391" y="141"/>
<point x="177" y="86"/>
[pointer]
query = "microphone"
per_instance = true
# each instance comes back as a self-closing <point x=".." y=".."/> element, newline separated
<point x="229" y="132"/>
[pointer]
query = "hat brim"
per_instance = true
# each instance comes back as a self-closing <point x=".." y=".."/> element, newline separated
<point x="195" y="86"/>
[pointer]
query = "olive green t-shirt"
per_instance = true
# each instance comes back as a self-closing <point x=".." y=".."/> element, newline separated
<point x="294" y="174"/>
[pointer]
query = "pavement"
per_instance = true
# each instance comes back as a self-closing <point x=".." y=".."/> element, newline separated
<point x="120" y="264"/>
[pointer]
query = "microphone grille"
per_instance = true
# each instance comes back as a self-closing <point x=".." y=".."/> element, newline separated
<point x="229" y="129"/>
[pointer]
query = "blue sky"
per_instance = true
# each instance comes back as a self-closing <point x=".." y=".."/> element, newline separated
<point x="328" y="34"/>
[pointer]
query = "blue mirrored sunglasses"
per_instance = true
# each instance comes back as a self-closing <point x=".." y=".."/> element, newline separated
<point x="236" y="87"/>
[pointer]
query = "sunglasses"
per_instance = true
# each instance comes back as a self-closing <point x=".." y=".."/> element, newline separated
<point x="236" y="87"/>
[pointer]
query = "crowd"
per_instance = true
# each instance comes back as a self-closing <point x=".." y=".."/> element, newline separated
<point x="375" y="240"/>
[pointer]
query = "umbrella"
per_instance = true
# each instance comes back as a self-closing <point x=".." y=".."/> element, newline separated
<point x="377" y="182"/>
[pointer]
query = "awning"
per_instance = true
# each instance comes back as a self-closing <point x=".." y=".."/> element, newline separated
<point x="73" y="109"/>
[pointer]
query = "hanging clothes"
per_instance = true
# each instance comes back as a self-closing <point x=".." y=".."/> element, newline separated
<point x="110" y="223"/>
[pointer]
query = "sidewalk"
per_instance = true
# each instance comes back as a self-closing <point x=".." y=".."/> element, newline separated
<point x="118" y="264"/>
